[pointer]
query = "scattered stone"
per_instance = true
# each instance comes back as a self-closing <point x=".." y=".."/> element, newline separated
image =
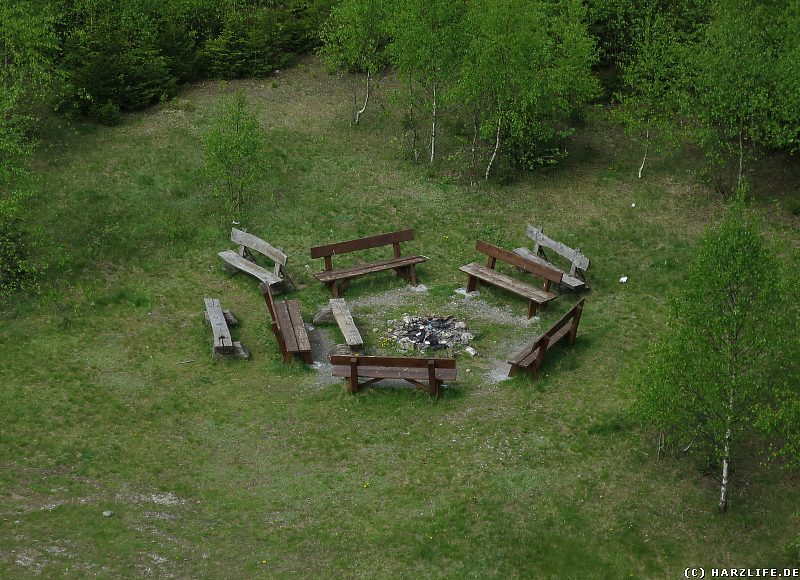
<point x="427" y="333"/>
<point x="310" y="327"/>
<point x="623" y="280"/>
<point x="463" y="292"/>
<point x="470" y="351"/>
<point x="420" y="288"/>
<point x="108" y="514"/>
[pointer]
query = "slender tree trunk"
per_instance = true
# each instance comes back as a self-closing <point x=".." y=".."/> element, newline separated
<point x="414" y="150"/>
<point x="366" y="100"/>
<point x="741" y="160"/>
<point x="660" y="443"/>
<point x="646" y="147"/>
<point x="726" y="456"/>
<point x="433" y="125"/>
<point x="355" y="103"/>
<point x="474" y="149"/>
<point x="726" y="461"/>
<point x="496" y="148"/>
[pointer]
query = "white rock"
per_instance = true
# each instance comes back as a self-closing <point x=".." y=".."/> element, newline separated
<point x="420" y="288"/>
<point x="623" y="280"/>
<point x="470" y="351"/>
<point x="633" y="205"/>
<point x="108" y="514"/>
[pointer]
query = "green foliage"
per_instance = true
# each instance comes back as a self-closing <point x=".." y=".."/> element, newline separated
<point x="356" y="35"/>
<point x="724" y="358"/>
<point x="525" y="72"/>
<point x="235" y="151"/>
<point x="27" y="88"/>
<point x="113" y="56"/>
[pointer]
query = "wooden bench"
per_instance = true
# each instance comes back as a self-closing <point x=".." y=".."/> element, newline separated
<point x="414" y="370"/>
<point x="243" y="259"/>
<point x="338" y="279"/>
<point x="531" y="356"/>
<point x="288" y="326"/>
<point x="576" y="278"/>
<point x="537" y="297"/>
<point x="224" y="345"/>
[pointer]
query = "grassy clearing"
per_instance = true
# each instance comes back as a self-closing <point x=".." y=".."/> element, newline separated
<point x="259" y="468"/>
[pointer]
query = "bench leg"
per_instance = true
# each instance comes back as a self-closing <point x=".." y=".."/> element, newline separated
<point x="471" y="283"/>
<point x="532" y="308"/>
<point x="307" y="358"/>
<point x="412" y="274"/>
<point x="433" y="384"/>
<point x="353" y="380"/>
<point x="513" y="370"/>
<point x="335" y="288"/>
<point x="287" y="357"/>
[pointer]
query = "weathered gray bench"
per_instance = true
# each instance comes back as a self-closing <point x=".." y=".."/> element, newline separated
<point x="220" y="320"/>
<point x="537" y="297"/>
<point x="576" y="278"/>
<point x="413" y="370"/>
<point x="243" y="259"/>
<point x="531" y="356"/>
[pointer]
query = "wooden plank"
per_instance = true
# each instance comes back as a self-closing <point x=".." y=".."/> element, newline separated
<point x="546" y="272"/>
<point x="259" y="245"/>
<point x="298" y="327"/>
<point x="219" y="328"/>
<point x="362" y="243"/>
<point x="285" y="323"/>
<point x="346" y="324"/>
<point x="230" y="319"/>
<point x="501" y="280"/>
<point x="393" y="361"/>
<point x="351" y="272"/>
<point x="397" y="373"/>
<point x="235" y="260"/>
<point x="574" y="256"/>
<point x="570" y="282"/>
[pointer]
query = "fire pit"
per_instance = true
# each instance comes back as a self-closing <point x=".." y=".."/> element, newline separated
<point x="427" y="333"/>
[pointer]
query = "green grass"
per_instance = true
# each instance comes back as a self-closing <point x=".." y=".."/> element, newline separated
<point x="110" y="399"/>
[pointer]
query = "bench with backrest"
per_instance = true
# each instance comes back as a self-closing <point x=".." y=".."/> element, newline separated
<point x="537" y="297"/>
<point x="287" y="326"/>
<point x="339" y="278"/>
<point x="414" y="370"/>
<point x="220" y="320"/>
<point x="531" y="356"/>
<point x="243" y="259"/>
<point x="576" y="278"/>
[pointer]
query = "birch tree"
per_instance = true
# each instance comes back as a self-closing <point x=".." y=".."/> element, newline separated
<point x="526" y="67"/>
<point x="355" y="38"/>
<point x="426" y="42"/>
<point x="723" y="359"/>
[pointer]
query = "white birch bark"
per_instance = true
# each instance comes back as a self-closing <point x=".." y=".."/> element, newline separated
<point x="433" y="125"/>
<point x="366" y="100"/>
<point x="646" y="147"/>
<point x="494" y="153"/>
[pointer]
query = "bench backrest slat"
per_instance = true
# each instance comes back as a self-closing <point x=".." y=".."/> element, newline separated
<point x="363" y="244"/>
<point x="393" y="361"/>
<point x="259" y="245"/>
<point x="577" y="259"/>
<point x="566" y="319"/>
<point x="516" y="260"/>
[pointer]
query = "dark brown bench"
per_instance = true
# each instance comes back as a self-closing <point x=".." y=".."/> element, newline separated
<point x="244" y="260"/>
<point x="414" y="370"/>
<point x="219" y="319"/>
<point x="338" y="279"/>
<point x="537" y="297"/>
<point x="576" y="278"/>
<point x="287" y="326"/>
<point x="531" y="356"/>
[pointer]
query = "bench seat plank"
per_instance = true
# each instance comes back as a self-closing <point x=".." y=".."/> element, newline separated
<point x="291" y="324"/>
<point x="501" y="280"/>
<point x="350" y="272"/>
<point x="219" y="327"/>
<point x="240" y="263"/>
<point x="374" y="372"/>
<point x="346" y="324"/>
<point x="570" y="282"/>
